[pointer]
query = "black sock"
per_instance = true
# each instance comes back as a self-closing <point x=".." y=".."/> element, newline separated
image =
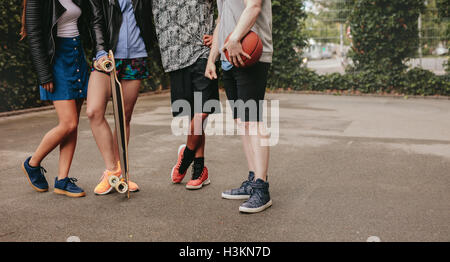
<point x="188" y="157"/>
<point x="199" y="164"/>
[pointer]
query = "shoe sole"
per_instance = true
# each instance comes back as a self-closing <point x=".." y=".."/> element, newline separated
<point x="69" y="194"/>
<point x="205" y="183"/>
<point x="173" y="168"/>
<point x="104" y="193"/>
<point x="255" y="210"/>
<point x="235" y="197"/>
<point x="29" y="180"/>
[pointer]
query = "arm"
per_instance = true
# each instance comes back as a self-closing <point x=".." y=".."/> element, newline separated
<point x="213" y="54"/>
<point x="245" y="23"/>
<point x="97" y="25"/>
<point x="38" y="46"/>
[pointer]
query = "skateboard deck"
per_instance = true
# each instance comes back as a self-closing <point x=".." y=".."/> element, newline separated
<point x="120" y="125"/>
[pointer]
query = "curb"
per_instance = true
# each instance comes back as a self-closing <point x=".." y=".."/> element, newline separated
<point x="329" y="93"/>
<point x="337" y="93"/>
<point x="48" y="108"/>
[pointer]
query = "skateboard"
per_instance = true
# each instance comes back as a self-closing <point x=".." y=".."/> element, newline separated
<point x="109" y="66"/>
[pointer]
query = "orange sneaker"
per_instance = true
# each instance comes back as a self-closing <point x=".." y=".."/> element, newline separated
<point x="175" y="175"/>
<point x="104" y="187"/>
<point x="199" y="182"/>
<point x="133" y="187"/>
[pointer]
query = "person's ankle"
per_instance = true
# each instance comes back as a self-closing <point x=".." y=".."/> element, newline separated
<point x="112" y="168"/>
<point x="33" y="164"/>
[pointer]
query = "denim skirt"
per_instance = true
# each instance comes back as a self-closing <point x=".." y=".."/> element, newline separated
<point x="70" y="71"/>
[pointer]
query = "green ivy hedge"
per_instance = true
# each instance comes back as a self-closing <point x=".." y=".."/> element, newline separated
<point x="416" y="81"/>
<point x="18" y="81"/>
<point x="384" y="33"/>
<point x="288" y="22"/>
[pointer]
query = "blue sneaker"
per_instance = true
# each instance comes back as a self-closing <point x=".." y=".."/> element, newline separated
<point x="35" y="176"/>
<point x="68" y="187"/>
<point x="259" y="199"/>
<point x="242" y="192"/>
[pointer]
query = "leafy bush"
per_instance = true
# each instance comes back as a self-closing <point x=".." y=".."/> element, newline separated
<point x="385" y="33"/>
<point x="18" y="81"/>
<point x="288" y="17"/>
<point x="17" y="78"/>
<point x="414" y="82"/>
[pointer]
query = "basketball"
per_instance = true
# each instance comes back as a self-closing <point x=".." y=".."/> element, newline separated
<point x="252" y="45"/>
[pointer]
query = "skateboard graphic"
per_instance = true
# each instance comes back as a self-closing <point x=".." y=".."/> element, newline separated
<point x="121" y="185"/>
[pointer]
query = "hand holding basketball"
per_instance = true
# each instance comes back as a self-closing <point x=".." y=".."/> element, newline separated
<point x="235" y="52"/>
<point x="243" y="53"/>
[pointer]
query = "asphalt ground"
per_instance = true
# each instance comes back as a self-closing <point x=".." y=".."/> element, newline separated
<point x="344" y="169"/>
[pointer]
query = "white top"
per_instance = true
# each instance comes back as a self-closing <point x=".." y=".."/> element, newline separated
<point x="68" y="22"/>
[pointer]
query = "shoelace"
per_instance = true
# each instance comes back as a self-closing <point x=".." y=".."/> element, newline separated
<point x="43" y="171"/>
<point x="73" y="180"/>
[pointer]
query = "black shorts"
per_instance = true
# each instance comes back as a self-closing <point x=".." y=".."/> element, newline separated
<point x="192" y="92"/>
<point x="246" y="88"/>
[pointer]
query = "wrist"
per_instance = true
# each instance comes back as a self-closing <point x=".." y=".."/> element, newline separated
<point x="234" y="38"/>
<point x="100" y="54"/>
<point x="213" y="58"/>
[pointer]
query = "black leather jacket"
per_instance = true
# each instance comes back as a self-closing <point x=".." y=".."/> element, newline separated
<point x="113" y="21"/>
<point x="41" y="21"/>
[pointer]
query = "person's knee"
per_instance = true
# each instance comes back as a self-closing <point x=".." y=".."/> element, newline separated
<point x="69" y="126"/>
<point x="94" y="114"/>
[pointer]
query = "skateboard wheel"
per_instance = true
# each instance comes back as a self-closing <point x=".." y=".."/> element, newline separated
<point x="107" y="66"/>
<point x="122" y="187"/>
<point x="113" y="181"/>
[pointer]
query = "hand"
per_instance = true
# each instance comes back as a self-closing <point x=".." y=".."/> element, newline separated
<point x="211" y="71"/>
<point x="234" y="48"/>
<point x="49" y="87"/>
<point x="97" y="63"/>
<point x="207" y="40"/>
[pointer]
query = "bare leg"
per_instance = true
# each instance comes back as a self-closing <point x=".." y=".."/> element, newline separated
<point x="67" y="147"/>
<point x="130" y="96"/>
<point x="99" y="93"/>
<point x="261" y="153"/>
<point x="200" y="152"/>
<point x="68" y="122"/>
<point x="248" y="150"/>
<point x="196" y="138"/>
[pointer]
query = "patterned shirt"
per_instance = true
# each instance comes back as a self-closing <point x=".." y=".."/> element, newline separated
<point x="180" y="27"/>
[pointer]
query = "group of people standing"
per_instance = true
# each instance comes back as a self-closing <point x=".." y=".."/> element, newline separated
<point x="191" y="42"/>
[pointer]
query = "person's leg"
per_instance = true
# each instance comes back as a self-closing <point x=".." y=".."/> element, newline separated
<point x="259" y="152"/>
<point x="248" y="150"/>
<point x="196" y="140"/>
<point x="196" y="136"/>
<point x="130" y="95"/>
<point x="251" y="88"/>
<point x="68" y="122"/>
<point x="68" y="144"/>
<point x="99" y="93"/>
